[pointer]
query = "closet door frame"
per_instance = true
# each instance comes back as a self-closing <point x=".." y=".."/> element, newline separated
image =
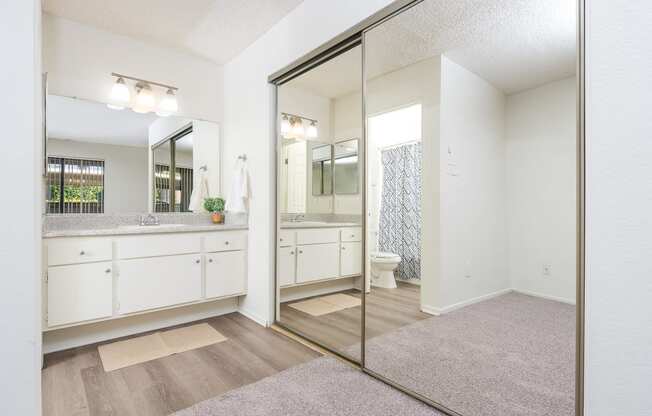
<point x="356" y="36"/>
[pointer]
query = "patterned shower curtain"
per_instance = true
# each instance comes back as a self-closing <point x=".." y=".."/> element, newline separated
<point x="400" y="209"/>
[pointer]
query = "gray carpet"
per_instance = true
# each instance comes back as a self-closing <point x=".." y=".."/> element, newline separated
<point x="507" y="356"/>
<point x="324" y="386"/>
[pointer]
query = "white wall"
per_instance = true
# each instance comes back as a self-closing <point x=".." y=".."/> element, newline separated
<point x="473" y="228"/>
<point x="79" y="60"/>
<point x="248" y="116"/>
<point x="619" y="203"/>
<point x="541" y="151"/>
<point x="125" y="172"/>
<point x="20" y="212"/>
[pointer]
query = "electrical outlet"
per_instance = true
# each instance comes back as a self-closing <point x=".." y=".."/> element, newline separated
<point x="546" y="270"/>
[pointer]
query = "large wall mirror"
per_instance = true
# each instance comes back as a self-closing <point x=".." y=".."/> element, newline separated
<point x="319" y="251"/>
<point x="468" y="169"/>
<point x="106" y="161"/>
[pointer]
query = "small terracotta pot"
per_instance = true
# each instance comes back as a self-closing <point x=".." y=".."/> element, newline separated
<point x="217" y="217"/>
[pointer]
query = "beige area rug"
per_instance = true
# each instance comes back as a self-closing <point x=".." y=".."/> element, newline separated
<point x="138" y="350"/>
<point x="326" y="304"/>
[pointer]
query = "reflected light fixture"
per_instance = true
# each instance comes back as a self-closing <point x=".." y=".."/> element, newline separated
<point x="145" y="101"/>
<point x="285" y="125"/>
<point x="120" y="95"/>
<point x="311" y="131"/>
<point x="297" y="128"/>
<point x="168" y="104"/>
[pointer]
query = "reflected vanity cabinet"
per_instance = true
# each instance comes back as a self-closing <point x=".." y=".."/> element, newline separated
<point x="91" y="279"/>
<point x="310" y="255"/>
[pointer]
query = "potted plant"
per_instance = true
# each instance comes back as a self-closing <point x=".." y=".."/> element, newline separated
<point x="216" y="207"/>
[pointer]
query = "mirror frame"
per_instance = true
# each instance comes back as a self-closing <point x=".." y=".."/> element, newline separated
<point x="351" y="38"/>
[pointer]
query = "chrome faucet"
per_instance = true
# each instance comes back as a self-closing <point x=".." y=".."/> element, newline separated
<point x="298" y="218"/>
<point x="150" y="219"/>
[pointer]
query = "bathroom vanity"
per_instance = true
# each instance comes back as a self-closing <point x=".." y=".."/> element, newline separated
<point x="102" y="274"/>
<point x="310" y="255"/>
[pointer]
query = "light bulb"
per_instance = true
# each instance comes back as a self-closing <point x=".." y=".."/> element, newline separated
<point x="297" y="128"/>
<point x="144" y="99"/>
<point x="168" y="104"/>
<point x="285" y="125"/>
<point x="311" y="132"/>
<point x="120" y="95"/>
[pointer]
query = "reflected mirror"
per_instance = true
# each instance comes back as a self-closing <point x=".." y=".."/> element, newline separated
<point x="95" y="154"/>
<point x="471" y="221"/>
<point x="319" y="252"/>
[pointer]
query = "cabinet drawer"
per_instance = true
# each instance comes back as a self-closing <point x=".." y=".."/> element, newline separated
<point x="351" y="234"/>
<point x="158" y="282"/>
<point x="318" y="236"/>
<point x="225" y="241"/>
<point x="286" y="238"/>
<point x="225" y="274"/>
<point x="157" y="245"/>
<point x="80" y="292"/>
<point x="78" y="250"/>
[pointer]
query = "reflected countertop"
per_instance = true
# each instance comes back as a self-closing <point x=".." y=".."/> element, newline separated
<point x="144" y="229"/>
<point x="316" y="224"/>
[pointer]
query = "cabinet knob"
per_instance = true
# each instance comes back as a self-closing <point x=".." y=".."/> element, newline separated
<point x="210" y="260"/>
<point x="352" y="235"/>
<point x="197" y="261"/>
<point x="291" y="252"/>
<point x="107" y="271"/>
<point x="81" y="253"/>
<point x="280" y="239"/>
<point x="300" y="251"/>
<point x="226" y="243"/>
<point x="343" y="248"/>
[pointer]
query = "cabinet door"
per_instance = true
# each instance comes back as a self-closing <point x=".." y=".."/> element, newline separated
<point x="225" y="274"/>
<point x="287" y="266"/>
<point x="158" y="282"/>
<point x="351" y="259"/>
<point x="79" y="293"/>
<point x="317" y="262"/>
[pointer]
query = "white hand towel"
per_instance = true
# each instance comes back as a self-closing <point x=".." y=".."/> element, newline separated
<point x="199" y="193"/>
<point x="239" y="196"/>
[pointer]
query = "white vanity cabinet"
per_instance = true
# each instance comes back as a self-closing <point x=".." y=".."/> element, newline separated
<point x="91" y="279"/>
<point x="79" y="292"/>
<point x="308" y="255"/>
<point x="157" y="282"/>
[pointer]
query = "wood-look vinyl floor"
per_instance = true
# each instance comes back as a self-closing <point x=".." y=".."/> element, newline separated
<point x="75" y="384"/>
<point x="386" y="310"/>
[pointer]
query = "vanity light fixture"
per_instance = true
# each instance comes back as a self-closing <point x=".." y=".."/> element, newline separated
<point x="168" y="104"/>
<point x="311" y="131"/>
<point x="145" y="101"/>
<point x="120" y="95"/>
<point x="285" y="125"/>
<point x="297" y="128"/>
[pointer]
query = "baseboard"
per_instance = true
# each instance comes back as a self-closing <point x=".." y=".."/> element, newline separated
<point x="542" y="296"/>
<point x="254" y="317"/>
<point x="77" y="336"/>
<point x="432" y="310"/>
<point x="316" y="289"/>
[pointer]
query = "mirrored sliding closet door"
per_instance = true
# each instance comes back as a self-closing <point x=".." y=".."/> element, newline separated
<point x="320" y="194"/>
<point x="470" y="108"/>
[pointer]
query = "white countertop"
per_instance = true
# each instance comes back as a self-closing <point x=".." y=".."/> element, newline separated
<point x="317" y="224"/>
<point x="142" y="229"/>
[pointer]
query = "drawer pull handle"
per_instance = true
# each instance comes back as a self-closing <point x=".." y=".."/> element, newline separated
<point x="107" y="271"/>
<point x="81" y="253"/>
<point x="210" y="260"/>
<point x="197" y="261"/>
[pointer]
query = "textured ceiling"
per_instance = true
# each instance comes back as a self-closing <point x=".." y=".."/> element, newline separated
<point x="513" y="44"/>
<point x="214" y="29"/>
